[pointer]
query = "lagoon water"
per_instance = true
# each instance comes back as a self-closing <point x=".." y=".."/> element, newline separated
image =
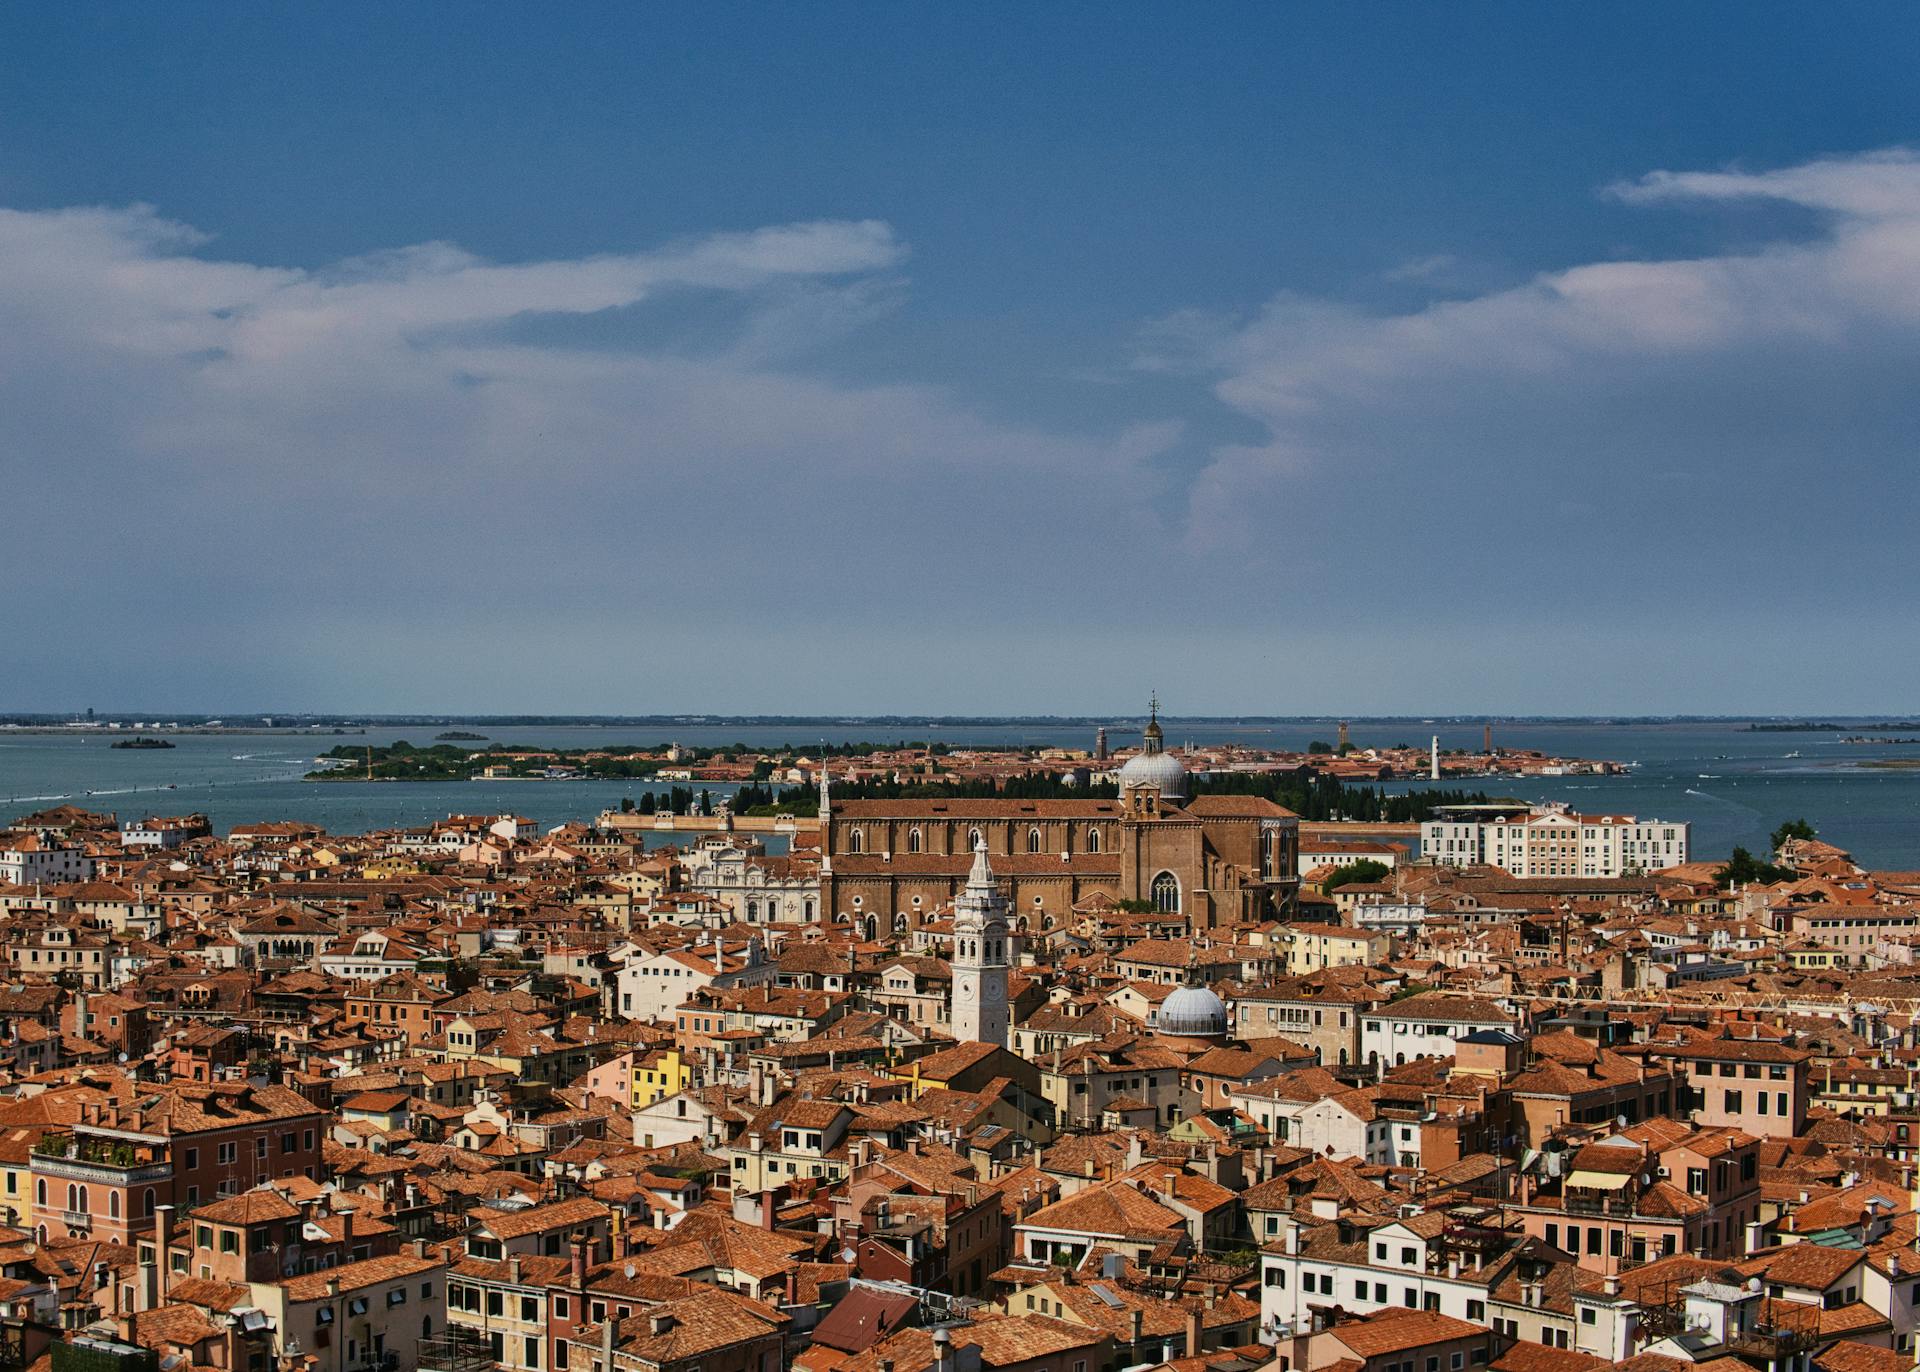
<point x="1732" y="784"/>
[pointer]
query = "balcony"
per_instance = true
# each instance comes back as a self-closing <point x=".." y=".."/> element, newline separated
<point x="76" y="1219"/>
<point x="1578" y="1201"/>
<point x="101" y="1160"/>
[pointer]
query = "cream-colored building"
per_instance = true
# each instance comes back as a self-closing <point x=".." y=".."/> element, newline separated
<point x="1551" y="841"/>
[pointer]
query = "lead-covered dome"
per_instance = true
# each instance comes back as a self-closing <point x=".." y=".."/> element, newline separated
<point x="1164" y="772"/>
<point x="1193" y="1012"/>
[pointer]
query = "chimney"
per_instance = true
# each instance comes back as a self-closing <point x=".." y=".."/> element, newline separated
<point x="513" y="1268"/>
<point x="162" y="1237"/>
<point x="577" y="1266"/>
<point x="1610" y="1284"/>
<point x="1193" y="1333"/>
<point x="942" y="1351"/>
<point x="609" y="1335"/>
<point x="147" y="1297"/>
<point x="1134" y="1319"/>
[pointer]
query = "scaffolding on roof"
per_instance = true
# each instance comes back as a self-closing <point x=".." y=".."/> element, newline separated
<point x="457" y="1348"/>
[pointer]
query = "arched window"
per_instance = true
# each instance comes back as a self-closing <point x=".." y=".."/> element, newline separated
<point x="1093" y="840"/>
<point x="1166" y="893"/>
<point x="857" y="841"/>
<point x="753" y="912"/>
<point x="913" y="840"/>
<point x="1034" y="840"/>
<point x="73" y="1196"/>
<point x="113" y="1205"/>
<point x="973" y="839"/>
<point x="1268" y="844"/>
<point x="40" y="1191"/>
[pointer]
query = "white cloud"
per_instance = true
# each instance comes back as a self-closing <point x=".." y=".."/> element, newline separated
<point x="393" y="455"/>
<point x="243" y="445"/>
<point x="1717" y="359"/>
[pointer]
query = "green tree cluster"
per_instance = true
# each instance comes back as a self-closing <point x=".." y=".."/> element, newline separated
<point x="1361" y="870"/>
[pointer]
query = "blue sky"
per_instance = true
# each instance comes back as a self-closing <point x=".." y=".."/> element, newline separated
<point x="1283" y="358"/>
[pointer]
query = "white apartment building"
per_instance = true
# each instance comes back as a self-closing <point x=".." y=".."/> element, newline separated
<point x="1551" y="841"/>
<point x="33" y="861"/>
<point x="1425" y="1026"/>
<point x="651" y="986"/>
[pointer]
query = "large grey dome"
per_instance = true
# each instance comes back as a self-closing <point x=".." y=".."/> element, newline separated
<point x="1162" y="771"/>
<point x="1151" y="767"/>
<point x="1193" y="1012"/>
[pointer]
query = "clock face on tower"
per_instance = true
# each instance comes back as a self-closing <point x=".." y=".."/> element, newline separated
<point x="990" y="990"/>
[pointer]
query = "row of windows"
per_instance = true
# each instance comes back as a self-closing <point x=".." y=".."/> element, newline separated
<point x="1749" y="1070"/>
<point x="1036" y="841"/>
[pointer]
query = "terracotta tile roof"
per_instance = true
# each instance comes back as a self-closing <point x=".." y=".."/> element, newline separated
<point x="355" y="1276"/>
<point x="1393" y="1331"/>
<point x="1111" y="1208"/>
<point x="538" y="1219"/>
<point x="249" y="1207"/>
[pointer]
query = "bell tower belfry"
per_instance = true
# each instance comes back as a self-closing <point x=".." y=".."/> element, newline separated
<point x="980" y="1012"/>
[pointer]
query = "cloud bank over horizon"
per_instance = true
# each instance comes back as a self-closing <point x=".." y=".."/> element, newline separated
<point x="419" y="479"/>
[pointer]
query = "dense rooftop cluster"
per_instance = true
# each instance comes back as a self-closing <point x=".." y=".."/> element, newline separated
<point x="472" y="1095"/>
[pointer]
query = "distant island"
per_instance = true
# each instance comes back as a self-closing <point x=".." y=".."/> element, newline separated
<point x="1812" y="727"/>
<point x="142" y="743"/>
<point x="459" y="736"/>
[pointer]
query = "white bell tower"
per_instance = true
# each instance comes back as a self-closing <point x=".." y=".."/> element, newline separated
<point x="980" y="957"/>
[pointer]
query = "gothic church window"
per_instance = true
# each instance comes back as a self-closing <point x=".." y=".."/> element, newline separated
<point x="1166" y="893"/>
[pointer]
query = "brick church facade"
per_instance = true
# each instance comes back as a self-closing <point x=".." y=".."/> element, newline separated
<point x="1217" y="860"/>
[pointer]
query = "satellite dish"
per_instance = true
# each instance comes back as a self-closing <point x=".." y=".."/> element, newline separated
<point x="629" y="1271"/>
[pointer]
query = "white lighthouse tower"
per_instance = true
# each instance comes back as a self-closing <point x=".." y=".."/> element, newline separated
<point x="980" y="957"/>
